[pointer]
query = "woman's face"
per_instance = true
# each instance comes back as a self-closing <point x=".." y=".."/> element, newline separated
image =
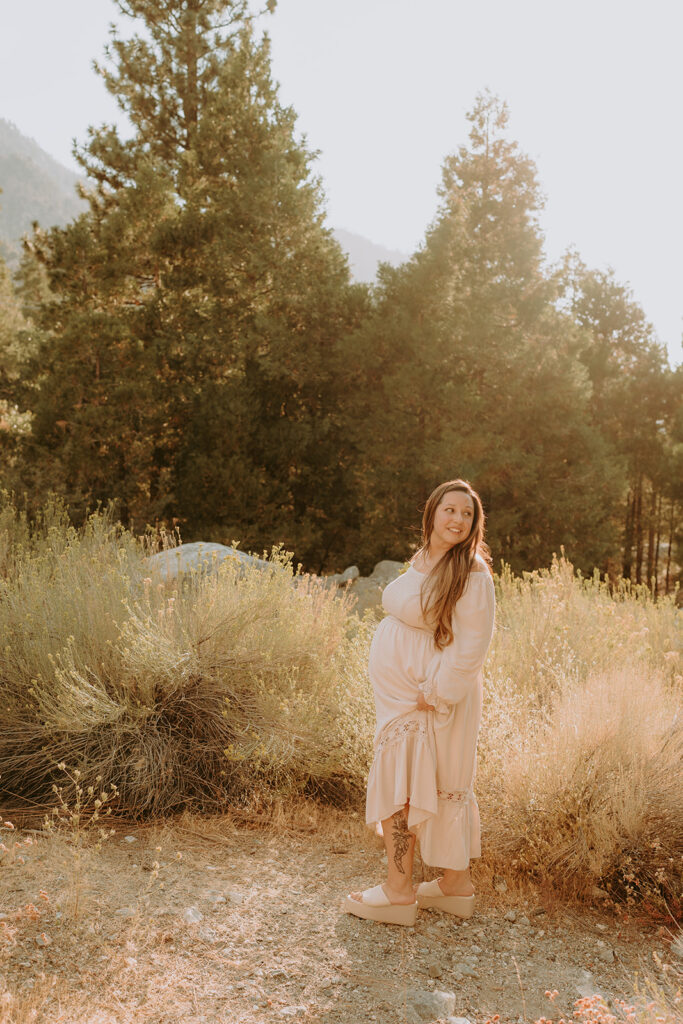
<point x="453" y="519"/>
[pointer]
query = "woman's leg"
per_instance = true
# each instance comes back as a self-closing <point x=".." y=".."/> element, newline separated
<point x="399" y="843"/>
<point x="456" y="883"/>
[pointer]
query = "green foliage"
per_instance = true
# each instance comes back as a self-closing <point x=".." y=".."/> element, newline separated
<point x="472" y="373"/>
<point x="199" y="307"/>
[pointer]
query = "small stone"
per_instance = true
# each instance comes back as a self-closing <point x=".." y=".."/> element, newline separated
<point x="458" y="1020"/>
<point x="292" y="1011"/>
<point x="126" y="912"/>
<point x="475" y="949"/>
<point x="499" y="884"/>
<point x="435" y="971"/>
<point x="537" y="911"/>
<point x="601" y="927"/>
<point x="207" y="934"/>
<point x="236" y="897"/>
<point x="280" y="975"/>
<point x="427" y="1005"/>
<point x="524" y="921"/>
<point x="129" y="839"/>
<point x="191" y="915"/>
<point x="465" y="970"/>
<point x="43" y="939"/>
<point x="606" y="954"/>
<point x="511" y="916"/>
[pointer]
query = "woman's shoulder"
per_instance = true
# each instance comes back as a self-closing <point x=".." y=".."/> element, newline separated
<point x="480" y="565"/>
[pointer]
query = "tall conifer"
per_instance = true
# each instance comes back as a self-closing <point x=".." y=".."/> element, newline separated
<point x="469" y="351"/>
<point x="200" y="301"/>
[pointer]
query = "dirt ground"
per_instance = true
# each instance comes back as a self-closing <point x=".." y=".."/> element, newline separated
<point x="237" y="920"/>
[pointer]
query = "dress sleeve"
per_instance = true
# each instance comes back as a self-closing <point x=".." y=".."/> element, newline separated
<point x="453" y="672"/>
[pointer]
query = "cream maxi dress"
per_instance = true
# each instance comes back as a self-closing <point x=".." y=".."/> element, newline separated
<point x="429" y="757"/>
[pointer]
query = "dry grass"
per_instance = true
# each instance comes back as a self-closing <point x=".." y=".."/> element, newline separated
<point x="228" y="688"/>
<point x="582" y="739"/>
<point x="199" y="693"/>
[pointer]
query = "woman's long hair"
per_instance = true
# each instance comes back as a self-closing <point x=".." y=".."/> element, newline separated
<point x="446" y="582"/>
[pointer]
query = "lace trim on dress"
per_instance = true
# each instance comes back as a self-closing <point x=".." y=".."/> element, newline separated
<point x="458" y="796"/>
<point x="400" y="730"/>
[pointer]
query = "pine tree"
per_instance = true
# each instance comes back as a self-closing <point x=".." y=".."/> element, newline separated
<point x="201" y="304"/>
<point x="635" y="404"/>
<point x="477" y="369"/>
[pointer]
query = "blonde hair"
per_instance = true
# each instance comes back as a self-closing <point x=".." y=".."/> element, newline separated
<point x="446" y="581"/>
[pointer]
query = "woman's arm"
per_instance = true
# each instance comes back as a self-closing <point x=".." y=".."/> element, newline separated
<point x="453" y="672"/>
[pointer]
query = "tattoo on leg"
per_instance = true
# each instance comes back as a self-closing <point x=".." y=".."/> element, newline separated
<point x="401" y="837"/>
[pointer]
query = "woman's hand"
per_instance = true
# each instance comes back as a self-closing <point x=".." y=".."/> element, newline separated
<point x="422" y="704"/>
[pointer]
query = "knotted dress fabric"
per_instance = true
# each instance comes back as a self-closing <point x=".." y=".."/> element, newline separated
<point x="428" y="758"/>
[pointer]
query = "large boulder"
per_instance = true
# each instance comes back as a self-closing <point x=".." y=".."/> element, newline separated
<point x="200" y="557"/>
<point x="386" y="571"/>
<point x="368" y="589"/>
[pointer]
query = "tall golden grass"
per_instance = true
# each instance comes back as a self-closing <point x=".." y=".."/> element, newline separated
<point x="235" y="685"/>
<point x="219" y="687"/>
<point x="581" y="747"/>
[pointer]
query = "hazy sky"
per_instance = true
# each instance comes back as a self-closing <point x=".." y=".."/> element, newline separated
<point x="381" y="87"/>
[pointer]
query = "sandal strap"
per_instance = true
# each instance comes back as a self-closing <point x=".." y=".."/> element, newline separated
<point x="376" y="897"/>
<point x="430" y="888"/>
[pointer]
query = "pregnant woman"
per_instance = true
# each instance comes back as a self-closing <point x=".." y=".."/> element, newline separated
<point x="425" y="665"/>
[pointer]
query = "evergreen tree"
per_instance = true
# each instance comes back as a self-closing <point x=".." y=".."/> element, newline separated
<point x="200" y="305"/>
<point x="472" y="369"/>
<point x="635" y="404"/>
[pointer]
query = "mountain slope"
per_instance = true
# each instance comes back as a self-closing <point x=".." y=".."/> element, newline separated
<point x="365" y="255"/>
<point x="34" y="187"/>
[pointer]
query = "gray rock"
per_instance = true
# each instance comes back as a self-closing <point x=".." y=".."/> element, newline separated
<point x="129" y="839"/>
<point x="524" y="921"/>
<point x="292" y="1011"/>
<point x="43" y="939"/>
<point x="511" y="916"/>
<point x="475" y="949"/>
<point x="386" y="571"/>
<point x="458" y="1020"/>
<point x="191" y="915"/>
<point x="368" y="594"/>
<point x="586" y="986"/>
<point x="499" y="884"/>
<point x="200" y="556"/>
<point x="126" y="912"/>
<point x="236" y="897"/>
<point x="606" y="954"/>
<point x="207" y="934"/>
<point x="338" y="579"/>
<point x="424" y="1005"/>
<point x="434" y="971"/>
<point x="466" y="970"/>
